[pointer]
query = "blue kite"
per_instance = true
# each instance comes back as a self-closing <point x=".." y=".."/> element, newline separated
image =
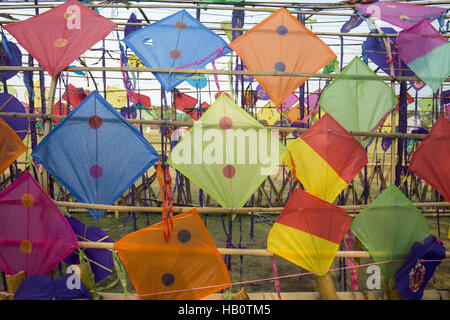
<point x="95" y="153"/>
<point x="177" y="41"/>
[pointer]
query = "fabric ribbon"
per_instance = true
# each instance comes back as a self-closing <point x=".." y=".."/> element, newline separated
<point x="165" y="180"/>
<point x="276" y="279"/>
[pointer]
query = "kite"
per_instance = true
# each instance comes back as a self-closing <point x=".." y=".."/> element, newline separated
<point x="11" y="146"/>
<point x="35" y="237"/>
<point x="308" y="232"/>
<point x="377" y="53"/>
<point x="402" y="15"/>
<point x="326" y="158"/>
<point x="426" y="52"/>
<point x="227" y="153"/>
<point x="38" y="287"/>
<point x="268" y="113"/>
<point x="245" y="78"/>
<point x="60" y="109"/>
<point x="8" y="103"/>
<point x="413" y="276"/>
<point x="83" y="152"/>
<point x="432" y="156"/>
<point x="177" y="41"/>
<point x="294" y="48"/>
<point x="129" y="29"/>
<point x="74" y="95"/>
<point x="357" y="98"/>
<point x="58" y="36"/>
<point x="388" y="227"/>
<point x="11" y="58"/>
<point x="186" y="104"/>
<point x="186" y="267"/>
<point x="198" y="81"/>
<point x="100" y="260"/>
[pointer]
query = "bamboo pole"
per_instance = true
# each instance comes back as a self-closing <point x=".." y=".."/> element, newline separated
<point x="325" y="286"/>
<point x="218" y="210"/>
<point x="13" y="282"/>
<point x="48" y="123"/>
<point x="218" y="72"/>
<point x="237" y="252"/>
<point x="190" y="124"/>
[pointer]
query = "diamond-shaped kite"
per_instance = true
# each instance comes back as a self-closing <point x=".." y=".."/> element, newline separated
<point x="268" y="113"/>
<point x="426" y="52"/>
<point x="9" y="103"/>
<point x="177" y="41"/>
<point x="34" y="236"/>
<point x="358" y="99"/>
<point x="186" y="267"/>
<point x="293" y="48"/>
<point x="227" y="153"/>
<point x="95" y="153"/>
<point x="402" y="15"/>
<point x="326" y="158"/>
<point x="58" y="36"/>
<point x="308" y="232"/>
<point x="11" y="146"/>
<point x="388" y="227"/>
<point x="431" y="160"/>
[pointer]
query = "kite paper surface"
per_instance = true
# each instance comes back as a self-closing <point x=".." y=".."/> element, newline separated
<point x="8" y="103"/>
<point x="326" y="158"/>
<point x="11" y="146"/>
<point x="95" y="153"/>
<point x="426" y="52"/>
<point x="187" y="267"/>
<point x="431" y="160"/>
<point x="227" y="153"/>
<point x="402" y="15"/>
<point x="34" y="236"/>
<point x="281" y="43"/>
<point x="357" y="98"/>
<point x="177" y="41"/>
<point x="388" y="227"/>
<point x="58" y="36"/>
<point x="308" y="232"/>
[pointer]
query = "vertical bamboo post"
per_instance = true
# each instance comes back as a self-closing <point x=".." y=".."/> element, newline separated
<point x="48" y="123"/>
<point x="13" y="282"/>
<point x="325" y="286"/>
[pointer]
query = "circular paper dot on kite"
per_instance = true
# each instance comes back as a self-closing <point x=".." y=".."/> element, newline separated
<point x="175" y="54"/>
<point x="229" y="171"/>
<point x="168" y="279"/>
<point x="26" y="246"/>
<point x="184" y="236"/>
<point x="180" y="25"/>
<point x="96" y="171"/>
<point x="60" y="43"/>
<point x="27" y="200"/>
<point x="282" y="30"/>
<point x="225" y="123"/>
<point x="280" y="66"/>
<point x="95" y="122"/>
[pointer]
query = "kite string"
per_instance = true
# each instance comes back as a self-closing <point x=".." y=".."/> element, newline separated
<point x="269" y="279"/>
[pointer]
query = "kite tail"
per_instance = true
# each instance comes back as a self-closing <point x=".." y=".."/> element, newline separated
<point x="167" y="206"/>
<point x="275" y="276"/>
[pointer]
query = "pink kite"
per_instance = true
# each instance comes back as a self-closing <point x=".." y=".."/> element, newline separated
<point x="34" y="236"/>
<point x="57" y="37"/>
<point x="403" y="15"/>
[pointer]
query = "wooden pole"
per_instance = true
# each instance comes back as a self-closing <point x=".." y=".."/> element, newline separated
<point x="48" y="124"/>
<point x="13" y="282"/>
<point x="325" y="286"/>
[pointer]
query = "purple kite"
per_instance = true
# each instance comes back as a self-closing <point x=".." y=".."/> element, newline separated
<point x="34" y="236"/>
<point x="402" y="15"/>
<point x="10" y="104"/>
<point x="426" y="52"/>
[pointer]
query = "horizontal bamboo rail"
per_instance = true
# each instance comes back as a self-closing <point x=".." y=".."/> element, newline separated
<point x="218" y="210"/>
<point x="237" y="252"/>
<point x="395" y="135"/>
<point x="218" y="72"/>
